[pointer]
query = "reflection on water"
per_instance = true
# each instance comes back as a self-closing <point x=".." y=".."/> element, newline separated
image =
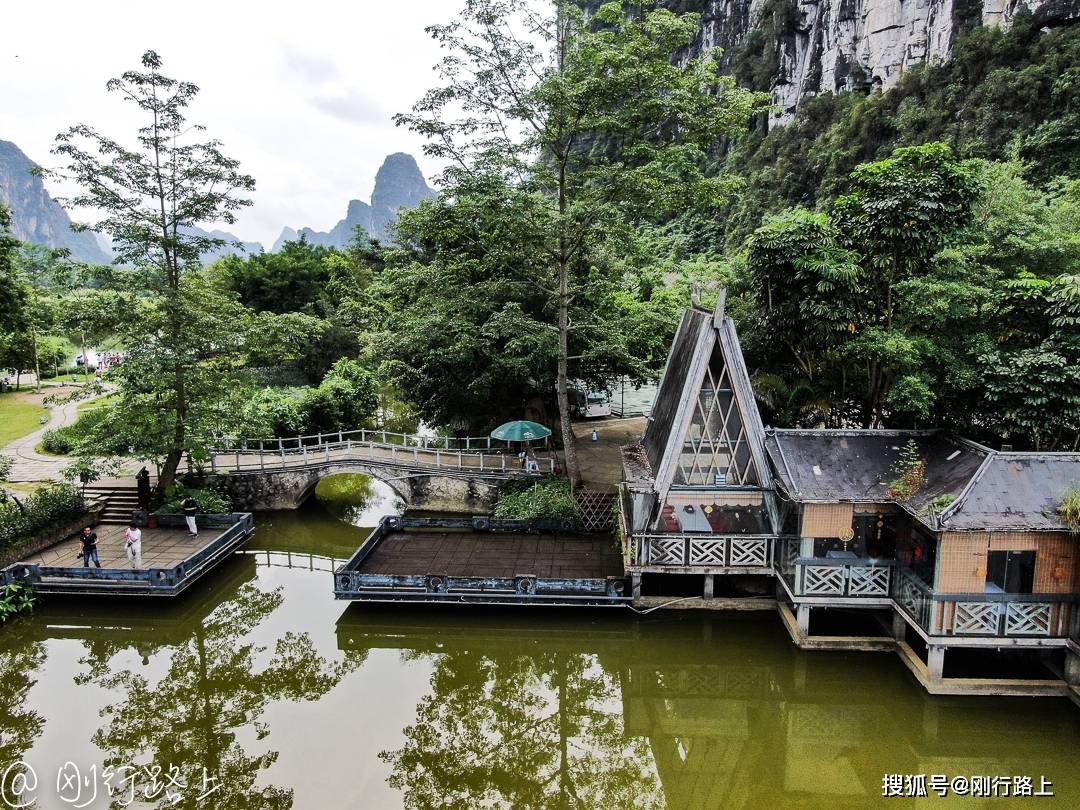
<point x="359" y="500"/>
<point x="294" y="700"/>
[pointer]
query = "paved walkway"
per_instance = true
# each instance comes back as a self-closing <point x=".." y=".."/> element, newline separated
<point x="30" y="465"/>
<point x="601" y="461"/>
<point x="161" y="548"/>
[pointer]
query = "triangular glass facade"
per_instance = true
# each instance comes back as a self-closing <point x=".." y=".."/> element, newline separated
<point x="715" y="450"/>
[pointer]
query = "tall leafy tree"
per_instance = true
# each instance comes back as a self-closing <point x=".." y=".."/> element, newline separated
<point x="149" y="195"/>
<point x="899" y="213"/>
<point x="588" y="118"/>
<point x="14" y="291"/>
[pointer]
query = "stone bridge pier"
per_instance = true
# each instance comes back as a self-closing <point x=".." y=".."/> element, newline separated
<point x="434" y="491"/>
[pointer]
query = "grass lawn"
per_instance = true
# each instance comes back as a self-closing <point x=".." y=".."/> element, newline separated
<point x="17" y="416"/>
<point x="91" y="404"/>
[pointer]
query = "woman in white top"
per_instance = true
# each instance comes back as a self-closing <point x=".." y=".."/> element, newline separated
<point x="133" y="544"/>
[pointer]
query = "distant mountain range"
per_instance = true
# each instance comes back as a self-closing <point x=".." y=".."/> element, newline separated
<point x="398" y="184"/>
<point x="39" y="219"/>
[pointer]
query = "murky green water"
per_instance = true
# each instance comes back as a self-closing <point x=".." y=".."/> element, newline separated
<point x="290" y="699"/>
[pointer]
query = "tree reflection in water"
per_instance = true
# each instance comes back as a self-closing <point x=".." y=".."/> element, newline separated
<point x="521" y="730"/>
<point x="19" y="727"/>
<point x="217" y="685"/>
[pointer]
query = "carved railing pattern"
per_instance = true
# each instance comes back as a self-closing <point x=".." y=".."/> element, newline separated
<point x="823" y="580"/>
<point x="664" y="551"/>
<point x="749" y="553"/>
<point x="704" y="550"/>
<point x="843" y="579"/>
<point x="868" y="580"/>
<point x="1028" y="618"/>
<point x="976" y="617"/>
<point x="708" y="552"/>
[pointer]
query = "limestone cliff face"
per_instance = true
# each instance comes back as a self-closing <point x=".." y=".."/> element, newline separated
<point x="834" y="45"/>
<point x="399" y="184"/>
<point x="36" y="217"/>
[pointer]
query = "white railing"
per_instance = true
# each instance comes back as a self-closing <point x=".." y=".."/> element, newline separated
<point x="372" y="452"/>
<point x="848" y="578"/>
<point x="1008" y="615"/>
<point x="704" y="550"/>
<point x="364" y="436"/>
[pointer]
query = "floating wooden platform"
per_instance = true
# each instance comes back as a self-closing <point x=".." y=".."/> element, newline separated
<point x="171" y="559"/>
<point x="482" y="561"/>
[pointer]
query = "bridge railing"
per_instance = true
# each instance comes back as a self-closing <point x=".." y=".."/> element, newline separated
<point x="365" y="436"/>
<point x="354" y="450"/>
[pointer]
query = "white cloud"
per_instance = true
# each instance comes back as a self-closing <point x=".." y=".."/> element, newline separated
<point x="302" y="94"/>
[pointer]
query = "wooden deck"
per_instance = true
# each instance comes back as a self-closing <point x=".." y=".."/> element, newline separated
<point x="483" y="561"/>
<point x="161" y="548"/>
<point x="171" y="559"/>
<point x="495" y="555"/>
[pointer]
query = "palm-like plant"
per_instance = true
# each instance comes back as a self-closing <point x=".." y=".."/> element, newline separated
<point x="792" y="403"/>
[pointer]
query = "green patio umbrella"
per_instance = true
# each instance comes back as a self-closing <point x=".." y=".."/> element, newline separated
<point x="520" y="430"/>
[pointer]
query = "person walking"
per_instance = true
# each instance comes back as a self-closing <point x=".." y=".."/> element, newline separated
<point x="142" y="483"/>
<point x="133" y="546"/>
<point x="190" y="509"/>
<point x="88" y="538"/>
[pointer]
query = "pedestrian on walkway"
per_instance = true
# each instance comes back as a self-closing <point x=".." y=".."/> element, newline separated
<point x="133" y="546"/>
<point x="142" y="483"/>
<point x="88" y="538"/>
<point x="190" y="510"/>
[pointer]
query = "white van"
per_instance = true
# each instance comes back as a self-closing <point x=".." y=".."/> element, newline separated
<point x="588" y="405"/>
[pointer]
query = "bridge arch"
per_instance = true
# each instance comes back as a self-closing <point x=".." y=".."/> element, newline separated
<point x="432" y="490"/>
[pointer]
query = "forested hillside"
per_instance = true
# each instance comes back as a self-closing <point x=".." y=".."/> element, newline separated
<point x="1004" y="94"/>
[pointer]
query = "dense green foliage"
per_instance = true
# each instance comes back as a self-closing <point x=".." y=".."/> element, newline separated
<point x="935" y="292"/>
<point x="565" y="131"/>
<point x="63" y="440"/>
<point x="48" y="507"/>
<point x="15" y="597"/>
<point x="1004" y="93"/>
<point x="550" y="499"/>
<point x="1070" y="509"/>
<point x="209" y="501"/>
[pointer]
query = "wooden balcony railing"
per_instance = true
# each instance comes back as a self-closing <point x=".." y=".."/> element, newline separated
<point x="738" y="551"/>
<point x="1004" y="615"/>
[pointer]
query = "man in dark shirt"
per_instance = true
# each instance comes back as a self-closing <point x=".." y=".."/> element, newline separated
<point x="190" y="509"/>
<point x="88" y="538"/>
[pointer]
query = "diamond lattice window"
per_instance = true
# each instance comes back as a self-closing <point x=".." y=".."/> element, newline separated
<point x="715" y="451"/>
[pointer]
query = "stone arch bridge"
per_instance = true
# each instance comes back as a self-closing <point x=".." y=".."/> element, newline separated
<point x="434" y="473"/>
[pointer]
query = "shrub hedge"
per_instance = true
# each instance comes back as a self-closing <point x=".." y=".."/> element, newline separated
<point x="548" y="499"/>
<point x="48" y="507"/>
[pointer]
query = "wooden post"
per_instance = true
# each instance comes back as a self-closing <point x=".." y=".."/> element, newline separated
<point x="438" y="459"/>
<point x="237" y="459"/>
<point x="305" y="455"/>
<point x="213" y="461"/>
<point x="635" y="586"/>
<point x="466" y="442"/>
<point x="802" y="620"/>
<point x="899" y="626"/>
<point x="708" y="591"/>
<point x="935" y="662"/>
<point x="459" y="459"/>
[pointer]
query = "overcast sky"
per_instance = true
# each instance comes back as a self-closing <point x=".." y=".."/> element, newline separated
<point x="302" y="93"/>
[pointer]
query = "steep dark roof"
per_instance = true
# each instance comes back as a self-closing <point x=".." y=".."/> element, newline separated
<point x="1016" y="491"/>
<point x="858" y="465"/>
<point x="669" y="395"/>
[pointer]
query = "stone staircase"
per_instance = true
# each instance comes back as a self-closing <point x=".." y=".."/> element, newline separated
<point x="119" y="502"/>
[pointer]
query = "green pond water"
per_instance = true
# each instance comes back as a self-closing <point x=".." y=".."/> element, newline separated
<point x="289" y="699"/>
